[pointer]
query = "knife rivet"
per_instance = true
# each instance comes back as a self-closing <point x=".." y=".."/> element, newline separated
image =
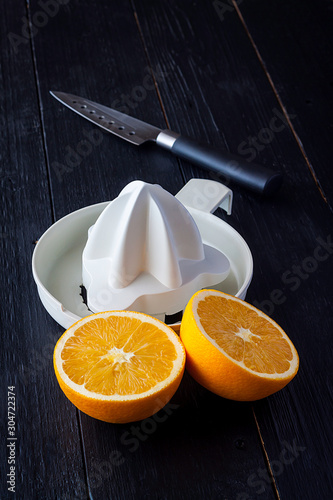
<point x="92" y="111"/>
<point x="84" y="106"/>
<point x="121" y="128"/>
<point x="132" y="132"/>
<point x="111" y="123"/>
<point x="101" y="117"/>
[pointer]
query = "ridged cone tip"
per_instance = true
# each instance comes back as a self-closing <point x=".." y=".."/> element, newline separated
<point x="145" y="242"/>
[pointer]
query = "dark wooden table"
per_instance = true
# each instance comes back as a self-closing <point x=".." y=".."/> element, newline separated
<point x="252" y="76"/>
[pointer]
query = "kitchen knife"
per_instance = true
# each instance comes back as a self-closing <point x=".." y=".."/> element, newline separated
<point x="231" y="167"/>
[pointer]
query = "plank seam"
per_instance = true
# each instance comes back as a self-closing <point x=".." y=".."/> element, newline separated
<point x="266" y="456"/>
<point x="84" y="457"/>
<point x="149" y="63"/>
<point x="293" y="131"/>
<point x="145" y="48"/>
<point x="40" y="110"/>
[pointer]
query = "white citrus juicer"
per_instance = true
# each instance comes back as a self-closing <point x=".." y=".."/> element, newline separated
<point x="145" y="253"/>
<point x="146" y="250"/>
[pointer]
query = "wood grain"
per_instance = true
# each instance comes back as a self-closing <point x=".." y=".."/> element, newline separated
<point x="295" y="46"/>
<point x="226" y="80"/>
<point x="283" y="233"/>
<point x="47" y="439"/>
<point x="107" y="169"/>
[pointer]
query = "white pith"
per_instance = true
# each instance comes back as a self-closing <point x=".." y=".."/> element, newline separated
<point x="121" y="356"/>
<point x="246" y="335"/>
<point x="118" y="355"/>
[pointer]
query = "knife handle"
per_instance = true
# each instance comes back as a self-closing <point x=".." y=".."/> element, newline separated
<point x="232" y="167"/>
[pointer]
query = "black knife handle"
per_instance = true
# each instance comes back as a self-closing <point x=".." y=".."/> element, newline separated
<point x="232" y="167"/>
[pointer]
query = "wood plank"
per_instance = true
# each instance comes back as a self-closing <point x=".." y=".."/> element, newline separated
<point x="229" y="100"/>
<point x="118" y="50"/>
<point x="102" y="71"/>
<point x="198" y="446"/>
<point x="295" y="45"/>
<point x="46" y="438"/>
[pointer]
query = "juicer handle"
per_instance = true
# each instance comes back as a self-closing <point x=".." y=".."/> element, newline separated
<point x="231" y="167"/>
<point x="206" y="195"/>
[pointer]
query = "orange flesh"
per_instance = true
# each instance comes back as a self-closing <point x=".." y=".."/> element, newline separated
<point x="251" y="339"/>
<point x="118" y="356"/>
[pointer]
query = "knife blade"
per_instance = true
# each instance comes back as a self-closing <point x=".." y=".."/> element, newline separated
<point x="232" y="168"/>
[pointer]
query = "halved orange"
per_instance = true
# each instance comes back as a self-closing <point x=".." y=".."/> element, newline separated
<point x="234" y="349"/>
<point x="119" y="366"/>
